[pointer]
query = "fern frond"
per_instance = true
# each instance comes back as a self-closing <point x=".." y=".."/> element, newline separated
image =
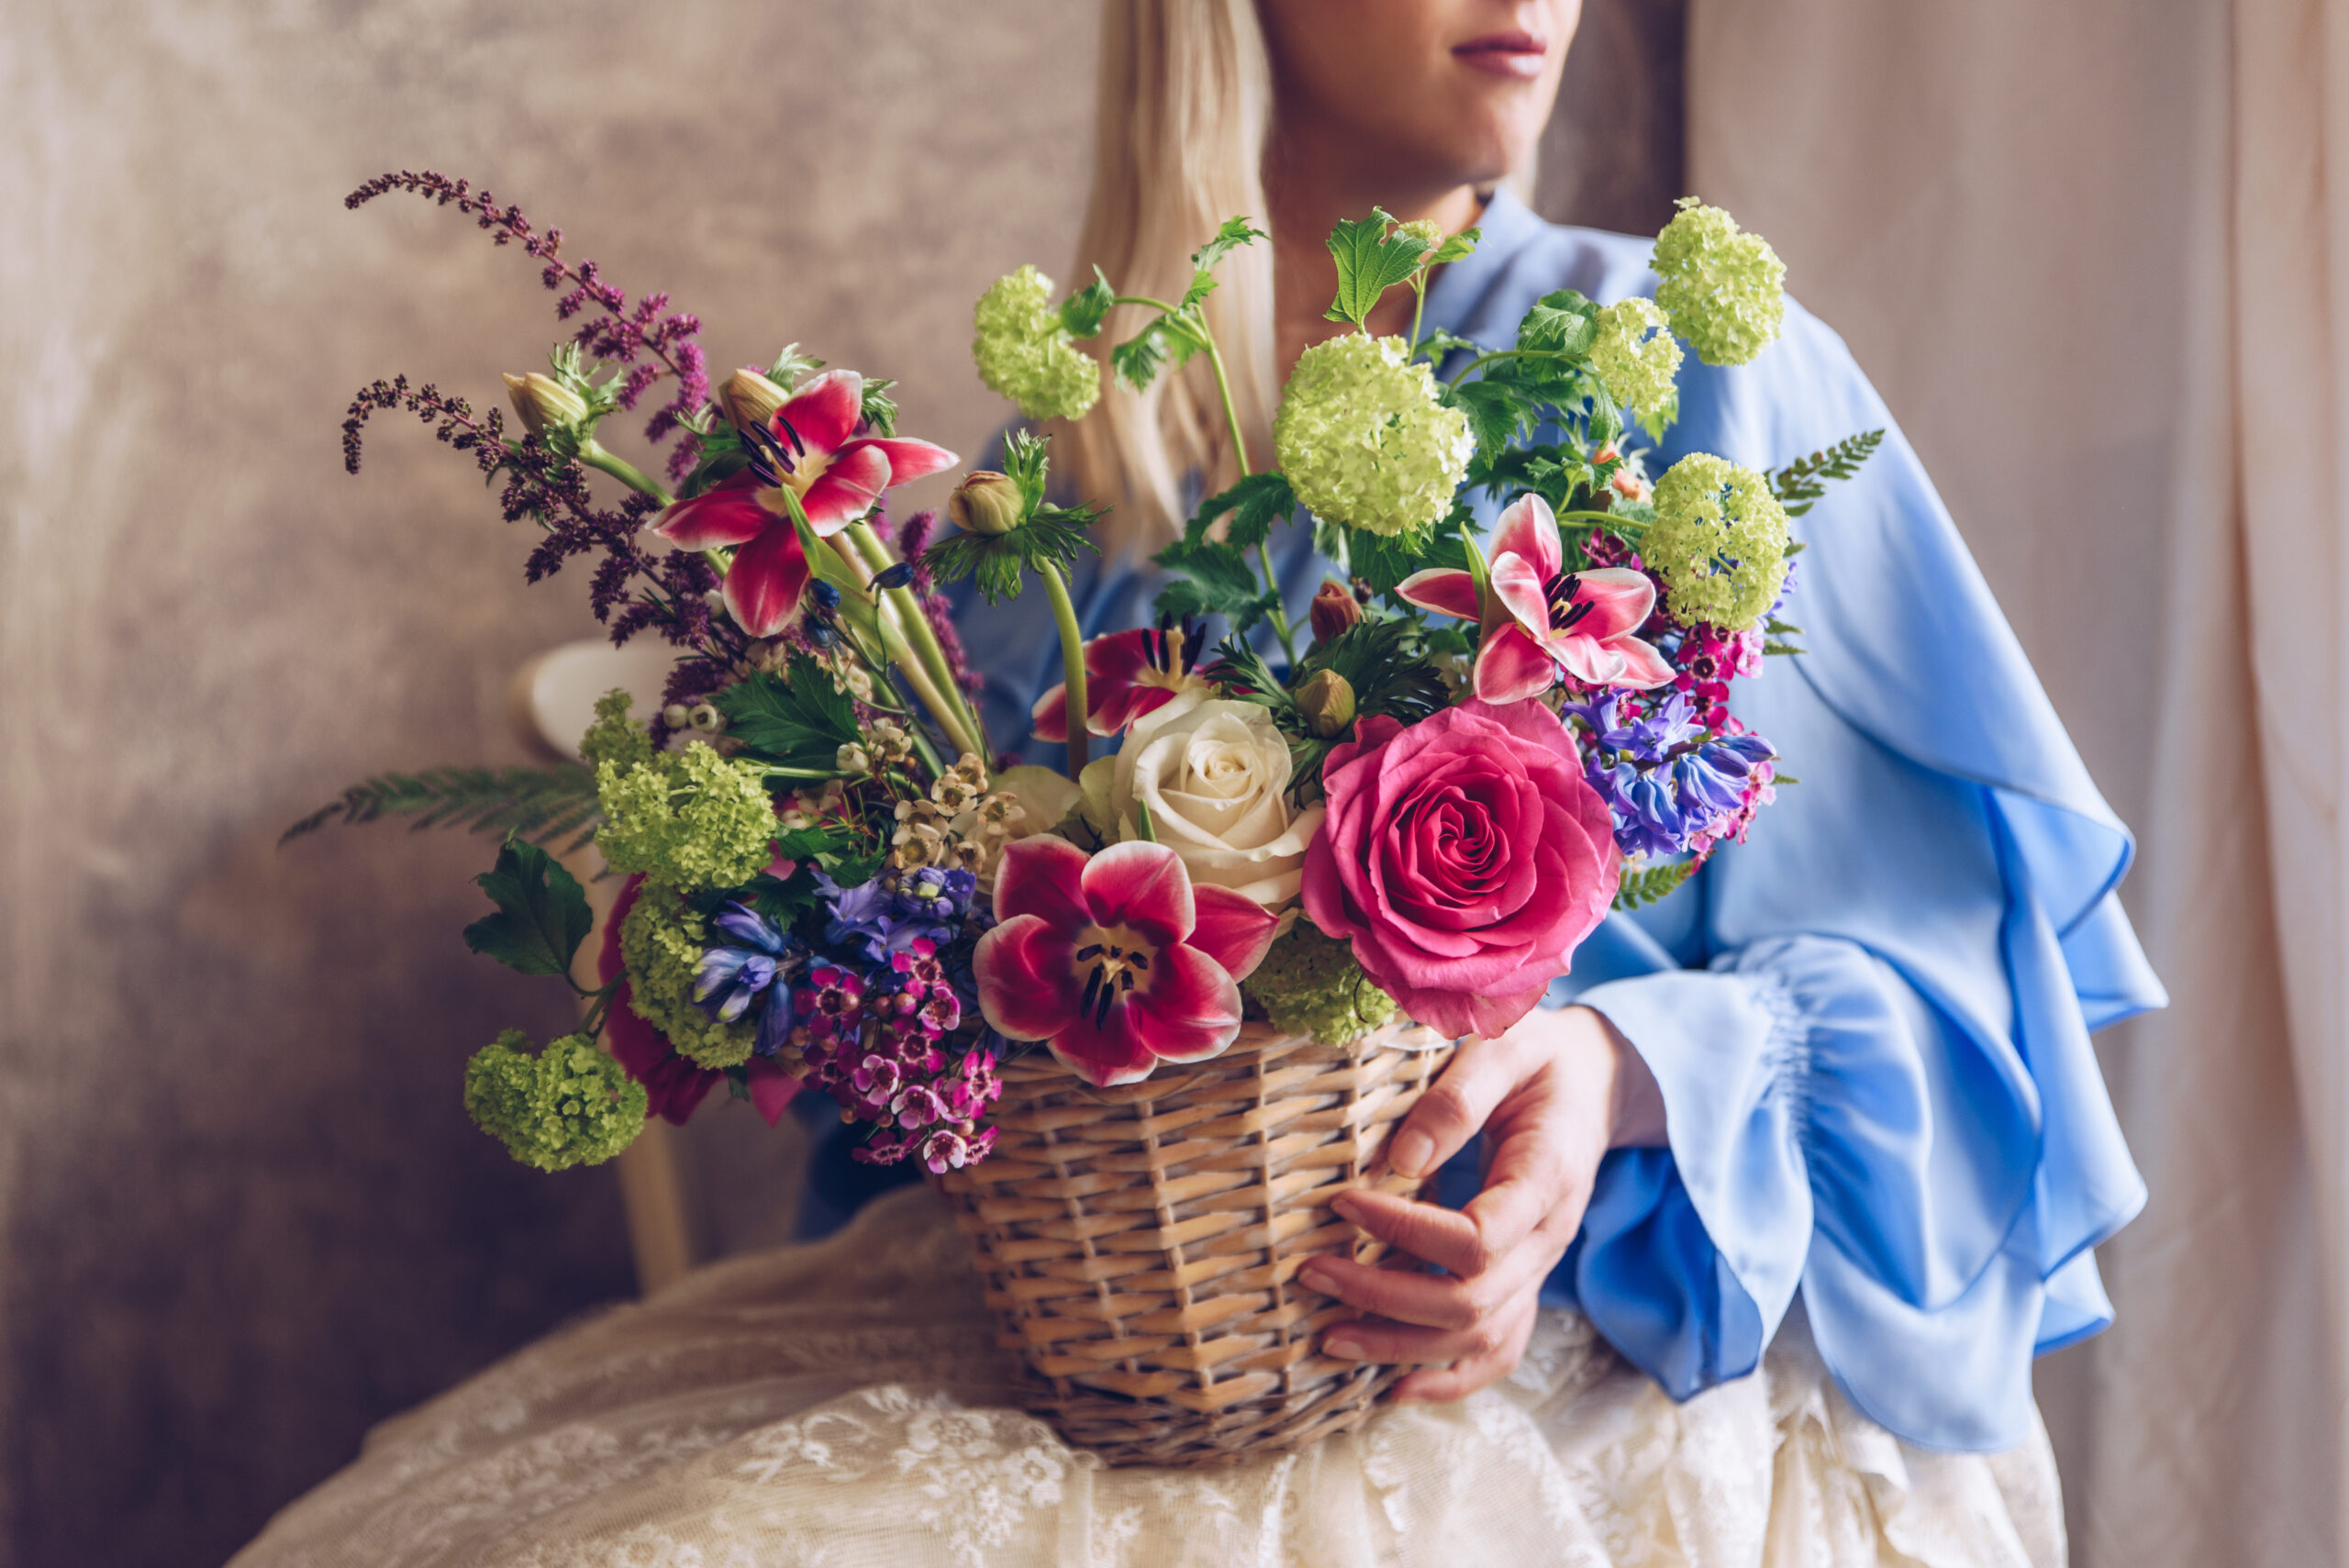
<point x="1802" y="482"/>
<point x="1651" y="883"/>
<point x="539" y="804"/>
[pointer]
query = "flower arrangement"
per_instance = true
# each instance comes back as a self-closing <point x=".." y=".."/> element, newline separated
<point x="1413" y="800"/>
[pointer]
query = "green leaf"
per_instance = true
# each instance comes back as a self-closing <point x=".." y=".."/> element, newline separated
<point x="790" y="365"/>
<point x="1498" y="412"/>
<point x="542" y="804"/>
<point x="1235" y="233"/>
<point x="1082" y="312"/>
<point x="1255" y="504"/>
<point x="1217" y="580"/>
<point x="1650" y="884"/>
<point x="1559" y="323"/>
<point x="1383" y="560"/>
<point x="542" y="916"/>
<point x="879" y="409"/>
<point x="1457" y="248"/>
<point x="800" y="719"/>
<point x="1370" y="262"/>
<point x="1439" y="343"/>
<point x="1168" y="340"/>
<point x="1802" y="482"/>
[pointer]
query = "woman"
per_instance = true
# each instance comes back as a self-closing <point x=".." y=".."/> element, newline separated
<point x="1776" y="1202"/>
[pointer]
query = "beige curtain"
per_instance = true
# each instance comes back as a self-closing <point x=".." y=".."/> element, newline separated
<point x="2097" y="255"/>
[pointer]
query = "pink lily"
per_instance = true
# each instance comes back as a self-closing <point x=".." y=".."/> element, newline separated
<point x="811" y="447"/>
<point x="1127" y="675"/>
<point x="1117" y="960"/>
<point x="1544" y="620"/>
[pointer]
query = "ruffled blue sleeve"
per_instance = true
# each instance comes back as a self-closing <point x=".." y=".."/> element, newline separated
<point x="1871" y="1025"/>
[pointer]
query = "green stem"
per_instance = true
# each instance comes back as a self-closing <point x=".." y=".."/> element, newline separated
<point x="620" y="468"/>
<point x="1080" y="738"/>
<point x="919" y="633"/>
<point x="1419" y="305"/>
<point x="1199" y="328"/>
<point x="897" y="651"/>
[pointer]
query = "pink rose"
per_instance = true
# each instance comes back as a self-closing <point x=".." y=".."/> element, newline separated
<point x="1465" y="857"/>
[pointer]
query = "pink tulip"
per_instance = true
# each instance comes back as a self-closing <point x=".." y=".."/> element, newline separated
<point x="1545" y="620"/>
<point x="1126" y="675"/>
<point x="1115" y="959"/>
<point x="809" y="447"/>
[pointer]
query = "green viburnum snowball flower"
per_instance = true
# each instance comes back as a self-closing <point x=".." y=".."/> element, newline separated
<point x="1718" y="541"/>
<point x="661" y="945"/>
<point x="1724" y="290"/>
<point x="1364" y="441"/>
<point x="1311" y="984"/>
<point x="1640" y="371"/>
<point x="615" y="738"/>
<point x="569" y="1104"/>
<point x="690" y="818"/>
<point x="1024" y="352"/>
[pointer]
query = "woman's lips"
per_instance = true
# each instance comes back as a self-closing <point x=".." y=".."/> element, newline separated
<point x="1517" y="56"/>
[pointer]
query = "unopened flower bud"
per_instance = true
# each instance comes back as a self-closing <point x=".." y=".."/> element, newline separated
<point x="1327" y="701"/>
<point x="540" y="402"/>
<point x="705" y="717"/>
<point x="1335" y="609"/>
<point x="986" y="503"/>
<point x="676" y="715"/>
<point x="750" y="399"/>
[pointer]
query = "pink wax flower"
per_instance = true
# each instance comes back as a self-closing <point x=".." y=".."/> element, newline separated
<point x="1126" y="675"/>
<point x="674" y="1086"/>
<point x="1116" y="959"/>
<point x="1465" y="858"/>
<point x="810" y="447"/>
<point x="1545" y="621"/>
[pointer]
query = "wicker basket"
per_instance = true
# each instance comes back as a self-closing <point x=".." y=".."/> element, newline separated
<point x="1140" y="1244"/>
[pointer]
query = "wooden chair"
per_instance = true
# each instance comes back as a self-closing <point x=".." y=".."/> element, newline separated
<point x="674" y="1182"/>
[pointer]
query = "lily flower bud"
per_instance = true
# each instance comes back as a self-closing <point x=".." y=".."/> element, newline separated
<point x="1327" y="701"/>
<point x="1335" y="609"/>
<point x="988" y="502"/>
<point x="750" y="399"/>
<point x="542" y="402"/>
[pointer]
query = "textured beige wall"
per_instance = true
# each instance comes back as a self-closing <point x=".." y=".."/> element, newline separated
<point x="244" y="1215"/>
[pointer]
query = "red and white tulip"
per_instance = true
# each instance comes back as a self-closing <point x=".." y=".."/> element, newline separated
<point x="837" y="474"/>
<point x="1115" y="960"/>
<point x="1545" y="621"/>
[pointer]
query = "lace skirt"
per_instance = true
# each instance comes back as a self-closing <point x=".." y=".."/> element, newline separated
<point x="844" y="1404"/>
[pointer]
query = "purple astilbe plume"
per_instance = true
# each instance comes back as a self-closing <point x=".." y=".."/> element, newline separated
<point x="632" y="336"/>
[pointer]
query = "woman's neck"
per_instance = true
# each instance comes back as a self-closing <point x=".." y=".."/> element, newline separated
<point x="1309" y="195"/>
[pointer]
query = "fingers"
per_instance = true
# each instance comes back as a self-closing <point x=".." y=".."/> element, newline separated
<point x="1481" y="1073"/>
<point x="1375" y="1340"/>
<point x="1432" y="1301"/>
<point x="1430" y="1232"/>
<point x="1441" y="1385"/>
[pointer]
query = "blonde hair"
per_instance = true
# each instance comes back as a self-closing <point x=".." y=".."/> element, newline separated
<point x="1186" y="107"/>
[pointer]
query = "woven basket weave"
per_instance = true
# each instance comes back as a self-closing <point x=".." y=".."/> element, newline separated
<point x="1140" y="1244"/>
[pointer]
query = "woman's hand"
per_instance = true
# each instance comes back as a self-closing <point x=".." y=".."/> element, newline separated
<point x="1553" y="1096"/>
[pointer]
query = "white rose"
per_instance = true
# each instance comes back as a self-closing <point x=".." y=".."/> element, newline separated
<point x="1215" y="775"/>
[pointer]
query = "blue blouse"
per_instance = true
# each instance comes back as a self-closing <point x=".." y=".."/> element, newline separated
<point x="1870" y="1022"/>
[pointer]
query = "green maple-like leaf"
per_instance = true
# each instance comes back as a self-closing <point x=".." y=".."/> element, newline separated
<point x="1371" y="259"/>
<point x="542" y="914"/>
